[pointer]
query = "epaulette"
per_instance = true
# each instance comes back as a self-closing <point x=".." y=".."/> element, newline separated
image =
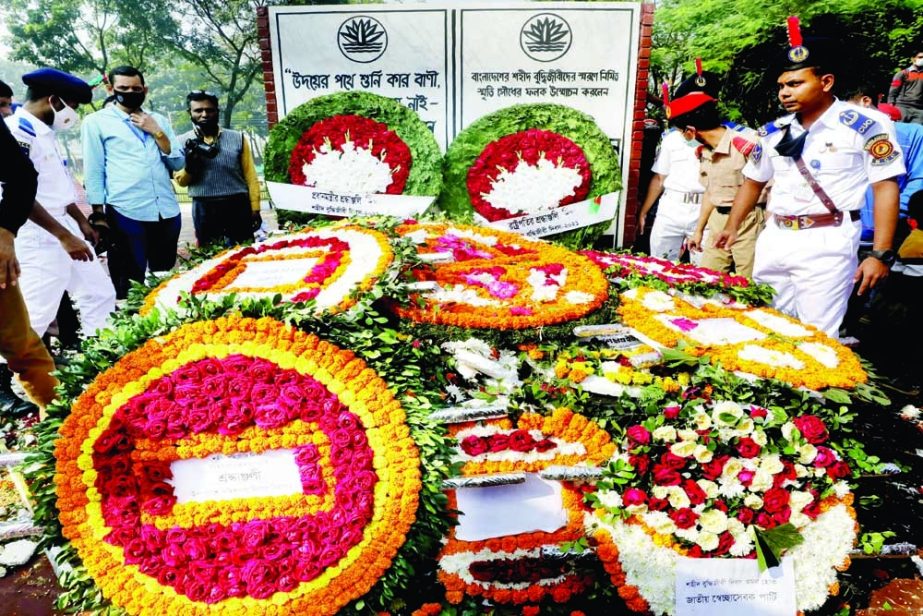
<point x="734" y="126"/>
<point x="771" y="127"/>
<point x="742" y="145"/>
<point x="26" y="126"/>
<point x="25" y="146"/>
<point x="856" y="121"/>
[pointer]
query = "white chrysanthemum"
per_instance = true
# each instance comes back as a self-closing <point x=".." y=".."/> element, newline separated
<point x="801" y="471"/>
<point x="822" y="353"/>
<point x="658" y="301"/>
<point x="542" y="291"/>
<point x="350" y="169"/>
<point x="578" y="298"/>
<point x="730" y="487"/>
<point x="798" y="519"/>
<point x="714" y="521"/>
<point x="460" y="294"/>
<point x="743" y="545"/>
<point x="690" y="534"/>
<point x="778" y="323"/>
<point x="910" y="412"/>
<point x="770" y="357"/>
<point x="660" y="522"/>
<point x="827" y="542"/>
<point x="841" y="488"/>
<point x="532" y="189"/>
<point x="664" y="433"/>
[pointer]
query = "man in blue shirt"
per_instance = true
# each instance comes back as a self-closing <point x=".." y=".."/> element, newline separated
<point x="128" y="155"/>
<point x="910" y="141"/>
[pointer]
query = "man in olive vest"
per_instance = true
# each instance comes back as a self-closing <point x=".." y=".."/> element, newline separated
<point x="220" y="175"/>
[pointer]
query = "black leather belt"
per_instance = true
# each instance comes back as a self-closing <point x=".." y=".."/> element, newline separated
<point x="725" y="210"/>
<point x="813" y="221"/>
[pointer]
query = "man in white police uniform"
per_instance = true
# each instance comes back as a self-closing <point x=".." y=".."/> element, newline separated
<point x="822" y="157"/>
<point x="58" y="259"/>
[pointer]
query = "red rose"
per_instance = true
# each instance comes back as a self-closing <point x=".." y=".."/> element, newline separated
<point x="782" y="516"/>
<point x="695" y="552"/>
<point x="746" y="515"/>
<point x="725" y="541"/>
<point x="499" y="442"/>
<point x="812" y="510"/>
<point x="639" y="434"/>
<point x="641" y="463"/>
<point x="666" y="476"/>
<point x="658" y="504"/>
<point x="521" y="441"/>
<point x="712" y="470"/>
<point x="748" y="448"/>
<point x="787" y="473"/>
<point x="812" y="428"/>
<point x="765" y="521"/>
<point x="775" y="500"/>
<point x="545" y="444"/>
<point x="671" y="412"/>
<point x="839" y="470"/>
<point x="694" y="492"/>
<point x="721" y="505"/>
<point x="684" y="518"/>
<point x="672" y="460"/>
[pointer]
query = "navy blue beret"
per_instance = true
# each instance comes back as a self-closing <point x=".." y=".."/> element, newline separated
<point x="60" y="83"/>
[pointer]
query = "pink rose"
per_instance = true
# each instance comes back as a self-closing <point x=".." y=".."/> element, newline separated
<point x="745" y="476"/>
<point x="671" y="412"/>
<point x="825" y="457"/>
<point x="639" y="434"/>
<point x="758" y="412"/>
<point x="634" y="496"/>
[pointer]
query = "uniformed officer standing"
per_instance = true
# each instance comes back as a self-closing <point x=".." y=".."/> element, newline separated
<point x="822" y="157"/>
<point x="61" y="260"/>
<point x="722" y="158"/>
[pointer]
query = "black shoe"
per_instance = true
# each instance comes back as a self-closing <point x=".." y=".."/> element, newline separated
<point x="12" y="405"/>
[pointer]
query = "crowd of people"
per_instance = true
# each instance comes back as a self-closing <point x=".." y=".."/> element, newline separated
<point x="822" y="204"/>
<point x="48" y="246"/>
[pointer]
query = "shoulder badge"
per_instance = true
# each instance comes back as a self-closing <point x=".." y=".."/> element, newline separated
<point x="742" y="145"/>
<point x="26" y="127"/>
<point x="757" y="154"/>
<point x="881" y="149"/>
<point x="740" y="128"/>
<point x="25" y="146"/>
<point x="856" y="121"/>
<point x="770" y="128"/>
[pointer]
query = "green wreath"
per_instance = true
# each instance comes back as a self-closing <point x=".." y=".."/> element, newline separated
<point x="425" y="176"/>
<point x="575" y="125"/>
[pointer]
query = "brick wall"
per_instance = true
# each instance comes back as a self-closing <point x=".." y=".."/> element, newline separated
<point x="262" y="28"/>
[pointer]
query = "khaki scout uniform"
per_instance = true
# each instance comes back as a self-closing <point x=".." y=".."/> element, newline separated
<point x="721" y="176"/>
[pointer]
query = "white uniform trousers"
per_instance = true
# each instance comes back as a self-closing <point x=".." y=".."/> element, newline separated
<point x="811" y="270"/>
<point x="675" y="221"/>
<point x="48" y="271"/>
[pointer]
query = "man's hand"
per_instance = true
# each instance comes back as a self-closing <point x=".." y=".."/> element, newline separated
<point x="256" y="222"/>
<point x="870" y="272"/>
<point x="694" y="242"/>
<point x="726" y="238"/>
<point x="76" y="247"/>
<point x="9" y="266"/>
<point x="145" y="122"/>
<point x="89" y="233"/>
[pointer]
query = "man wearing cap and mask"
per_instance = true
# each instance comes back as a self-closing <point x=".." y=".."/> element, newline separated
<point x="53" y="246"/>
<point x="128" y="155"/>
<point x="6" y="100"/>
<point x="220" y="174"/>
<point x="723" y="155"/>
<point x="906" y="91"/>
<point x="822" y="157"/>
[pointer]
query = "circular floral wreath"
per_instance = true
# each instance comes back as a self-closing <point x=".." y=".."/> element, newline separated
<point x="386" y="129"/>
<point x="499" y="280"/>
<point x="559" y="145"/>
<point x="230" y="387"/>
<point x="317" y="265"/>
<point x="702" y="480"/>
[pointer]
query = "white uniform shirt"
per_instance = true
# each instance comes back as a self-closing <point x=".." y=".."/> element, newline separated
<point x="678" y="163"/>
<point x="38" y="142"/>
<point x="846" y="149"/>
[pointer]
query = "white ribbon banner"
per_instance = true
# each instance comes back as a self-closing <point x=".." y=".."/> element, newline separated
<point x="560" y="219"/>
<point x="316" y="201"/>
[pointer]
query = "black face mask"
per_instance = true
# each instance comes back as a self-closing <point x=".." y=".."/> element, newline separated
<point x="130" y="100"/>
<point x="208" y="126"/>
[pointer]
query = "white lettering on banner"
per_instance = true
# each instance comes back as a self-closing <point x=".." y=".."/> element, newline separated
<point x="733" y="586"/>
<point x="244" y="475"/>
<point x="315" y="201"/>
<point x="560" y="219"/>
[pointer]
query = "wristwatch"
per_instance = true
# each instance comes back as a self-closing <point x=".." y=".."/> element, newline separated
<point x="885" y="256"/>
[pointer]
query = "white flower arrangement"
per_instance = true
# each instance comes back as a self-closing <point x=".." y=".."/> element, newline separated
<point x="531" y="189"/>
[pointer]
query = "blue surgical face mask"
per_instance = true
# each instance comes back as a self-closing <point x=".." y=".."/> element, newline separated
<point x="692" y="143"/>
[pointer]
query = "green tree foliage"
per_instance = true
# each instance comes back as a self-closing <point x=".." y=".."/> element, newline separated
<point x="874" y="39"/>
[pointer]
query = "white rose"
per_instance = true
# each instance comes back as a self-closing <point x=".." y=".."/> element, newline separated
<point x="745" y="426"/>
<point x="702" y="421"/>
<point x="807" y="453"/>
<point x="678" y="498"/>
<point x="683" y="449"/>
<point x="702" y="454"/>
<point x="732" y="467"/>
<point x="753" y="501"/>
<point x="800" y="471"/>
<point x="709" y="487"/>
<point x="771" y="464"/>
<point x="660" y="491"/>
<point x="759" y="437"/>
<point x="736" y="527"/>
<point x="731" y="412"/>
<point x="707" y="541"/>
<point x="713" y="521"/>
<point x="799" y="500"/>
<point x="687" y="435"/>
<point x="762" y="481"/>
<point x="610" y="499"/>
<point x="690" y="534"/>
<point x="664" y="433"/>
<point x="789" y="431"/>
